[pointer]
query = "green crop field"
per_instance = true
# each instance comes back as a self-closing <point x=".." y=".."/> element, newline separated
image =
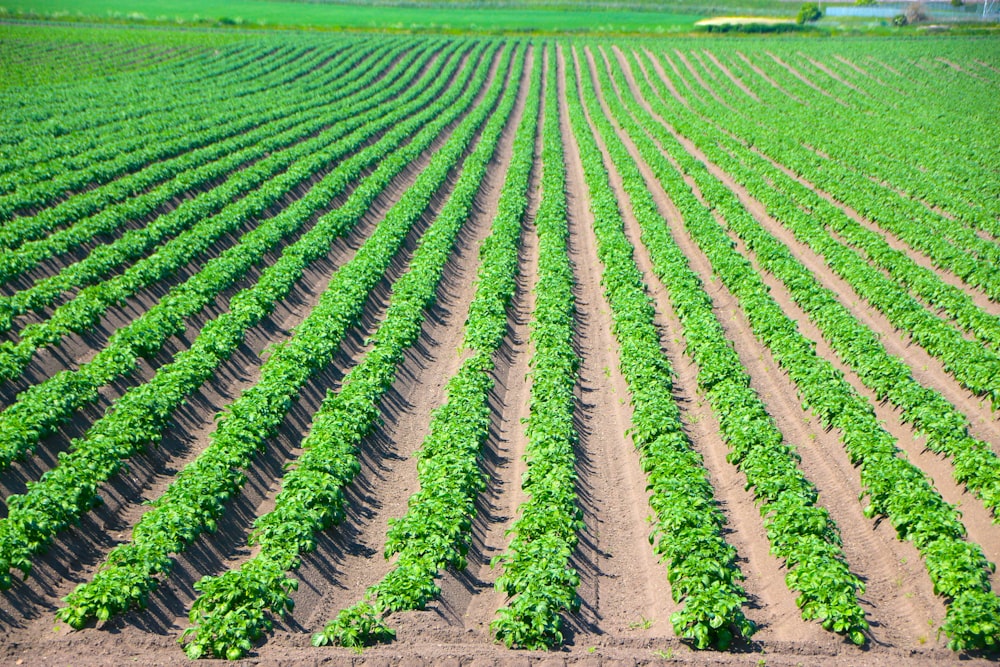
<point x="347" y="16"/>
<point x="367" y="347"/>
<point x="562" y="17"/>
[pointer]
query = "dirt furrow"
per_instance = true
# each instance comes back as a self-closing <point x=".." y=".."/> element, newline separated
<point x="806" y="80"/>
<point x="701" y="82"/>
<point x="975" y="517"/>
<point x="933" y="208"/>
<point x="57" y="263"/>
<point x="886" y="66"/>
<point x="930" y="372"/>
<point x="623" y="585"/>
<point x="857" y="68"/>
<point x="926" y="369"/>
<point x="77" y="349"/>
<point x="88" y="343"/>
<point x="958" y="68"/>
<point x="833" y="75"/>
<point x="865" y="82"/>
<point x="980" y="299"/>
<point x="667" y="81"/>
<point x="983" y="63"/>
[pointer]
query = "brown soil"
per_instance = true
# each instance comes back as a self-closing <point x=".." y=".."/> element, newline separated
<point x="506" y="443"/>
<point x="870" y="75"/>
<point x="77" y="349"/>
<point x="885" y="66"/>
<point x="857" y="68"/>
<point x="988" y="66"/>
<point x="77" y="551"/>
<point x="772" y="606"/>
<point x="958" y="68"/>
<point x="678" y="74"/>
<point x="667" y="81"/>
<point x="926" y="369"/>
<point x="978" y="297"/>
<point x="837" y="485"/>
<point x="798" y="427"/>
<point x="984" y="420"/>
<point x="390" y="475"/>
<point x="54" y="264"/>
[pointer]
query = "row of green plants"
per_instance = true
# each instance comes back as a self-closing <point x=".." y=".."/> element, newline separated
<point x="33" y="62"/>
<point x="948" y="243"/>
<point x="537" y="575"/>
<point x="895" y="489"/>
<point x="914" y="118"/>
<point x="946" y="428"/>
<point x="228" y="616"/>
<point x="273" y="75"/>
<point x="41" y="408"/>
<point x="924" y="283"/>
<point x="119" y="193"/>
<point x="193" y="135"/>
<point x="40" y="117"/>
<point x="688" y="528"/>
<point x="138" y="418"/>
<point x="46" y="112"/>
<point x="196" y="498"/>
<point x="931" y="414"/>
<point x="903" y="153"/>
<point x="27" y="62"/>
<point x="204" y="168"/>
<point x="436" y="531"/>
<point x="800" y="531"/>
<point x="278" y="177"/>
<point x="82" y="151"/>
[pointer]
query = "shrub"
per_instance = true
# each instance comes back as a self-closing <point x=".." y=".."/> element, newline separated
<point x="809" y="13"/>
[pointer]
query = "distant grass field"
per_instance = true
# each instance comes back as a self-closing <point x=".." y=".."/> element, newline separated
<point x="353" y="16"/>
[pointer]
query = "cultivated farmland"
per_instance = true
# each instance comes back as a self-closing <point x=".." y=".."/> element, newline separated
<point x="441" y="348"/>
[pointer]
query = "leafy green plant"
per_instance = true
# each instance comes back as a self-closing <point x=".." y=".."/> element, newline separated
<point x="360" y="626"/>
<point x="42" y="408"/>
